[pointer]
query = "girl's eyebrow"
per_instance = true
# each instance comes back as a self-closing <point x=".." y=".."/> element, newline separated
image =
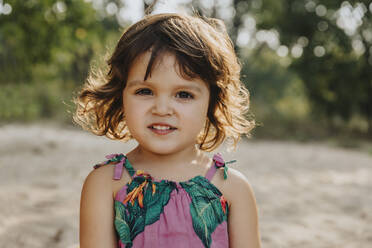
<point x="136" y="82"/>
<point x="191" y="86"/>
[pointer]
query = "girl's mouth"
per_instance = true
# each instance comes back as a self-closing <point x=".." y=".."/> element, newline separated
<point x="161" y="128"/>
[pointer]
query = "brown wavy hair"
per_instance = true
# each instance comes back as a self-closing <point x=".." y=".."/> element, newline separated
<point x="202" y="49"/>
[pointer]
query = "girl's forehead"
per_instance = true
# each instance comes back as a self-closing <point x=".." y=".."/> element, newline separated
<point x="165" y="66"/>
<point x="165" y="59"/>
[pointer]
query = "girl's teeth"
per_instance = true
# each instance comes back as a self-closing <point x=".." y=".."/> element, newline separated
<point x="161" y="127"/>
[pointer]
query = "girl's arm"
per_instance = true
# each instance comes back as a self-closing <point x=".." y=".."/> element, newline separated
<point x="243" y="218"/>
<point x="97" y="211"/>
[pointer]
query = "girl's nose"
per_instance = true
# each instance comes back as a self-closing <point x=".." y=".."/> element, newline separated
<point x="162" y="106"/>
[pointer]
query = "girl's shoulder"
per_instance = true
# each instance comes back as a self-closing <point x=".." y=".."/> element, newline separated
<point x="243" y="210"/>
<point x="104" y="173"/>
<point x="234" y="187"/>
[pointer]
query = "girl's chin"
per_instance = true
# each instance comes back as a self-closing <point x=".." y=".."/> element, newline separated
<point x="166" y="149"/>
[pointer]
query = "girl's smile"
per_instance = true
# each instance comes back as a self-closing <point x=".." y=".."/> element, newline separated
<point x="161" y="128"/>
<point x="166" y="112"/>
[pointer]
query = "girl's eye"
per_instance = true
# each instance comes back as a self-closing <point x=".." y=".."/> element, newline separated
<point x="148" y="92"/>
<point x="144" y="91"/>
<point x="185" y="95"/>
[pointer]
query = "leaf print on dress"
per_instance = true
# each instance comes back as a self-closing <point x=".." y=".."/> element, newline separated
<point x="205" y="208"/>
<point x="155" y="202"/>
<point x="121" y="225"/>
<point x="144" y="210"/>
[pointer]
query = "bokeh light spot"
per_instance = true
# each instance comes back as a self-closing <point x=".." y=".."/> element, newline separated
<point x="321" y="10"/>
<point x="111" y="8"/>
<point x="296" y="51"/>
<point x="310" y="6"/>
<point x="303" y="41"/>
<point x="5" y="9"/>
<point x="282" y="51"/>
<point x="322" y="26"/>
<point x="358" y="46"/>
<point x="319" y="51"/>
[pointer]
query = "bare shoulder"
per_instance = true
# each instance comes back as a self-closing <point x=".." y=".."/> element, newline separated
<point x="100" y="177"/>
<point x="243" y="212"/>
<point x="103" y="177"/>
<point x="96" y="210"/>
<point x="234" y="187"/>
<point x="238" y="187"/>
<point x="100" y="180"/>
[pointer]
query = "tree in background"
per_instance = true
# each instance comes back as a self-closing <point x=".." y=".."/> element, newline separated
<point x="329" y="44"/>
<point x="323" y="46"/>
<point x="46" y="48"/>
<point x="57" y="36"/>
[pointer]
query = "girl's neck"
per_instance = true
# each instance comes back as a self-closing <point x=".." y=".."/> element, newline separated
<point x="144" y="157"/>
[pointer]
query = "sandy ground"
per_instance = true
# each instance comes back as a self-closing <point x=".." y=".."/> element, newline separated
<point x="309" y="195"/>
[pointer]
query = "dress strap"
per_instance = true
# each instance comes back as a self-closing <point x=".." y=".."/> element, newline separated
<point x="218" y="162"/>
<point x="120" y="161"/>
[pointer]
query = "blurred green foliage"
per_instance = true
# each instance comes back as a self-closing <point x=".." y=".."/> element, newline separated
<point x="322" y="84"/>
<point x="45" y="54"/>
<point x="45" y="32"/>
<point x="329" y="47"/>
<point x="30" y="102"/>
<point x="335" y="66"/>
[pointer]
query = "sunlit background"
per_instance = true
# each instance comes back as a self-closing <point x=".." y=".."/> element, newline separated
<point x="306" y="63"/>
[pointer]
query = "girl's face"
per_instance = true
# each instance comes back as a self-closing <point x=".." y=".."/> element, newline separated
<point x="166" y="112"/>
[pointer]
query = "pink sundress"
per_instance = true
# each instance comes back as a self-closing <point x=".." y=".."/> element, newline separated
<point x="164" y="213"/>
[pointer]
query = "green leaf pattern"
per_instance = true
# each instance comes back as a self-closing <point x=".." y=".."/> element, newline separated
<point x="130" y="225"/>
<point x="205" y="208"/>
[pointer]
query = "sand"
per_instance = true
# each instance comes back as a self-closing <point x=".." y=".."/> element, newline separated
<point x="308" y="195"/>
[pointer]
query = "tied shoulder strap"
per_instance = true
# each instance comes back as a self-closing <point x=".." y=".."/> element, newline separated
<point x="120" y="160"/>
<point x="218" y="162"/>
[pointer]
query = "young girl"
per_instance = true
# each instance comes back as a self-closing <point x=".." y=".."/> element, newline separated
<point x="173" y="86"/>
